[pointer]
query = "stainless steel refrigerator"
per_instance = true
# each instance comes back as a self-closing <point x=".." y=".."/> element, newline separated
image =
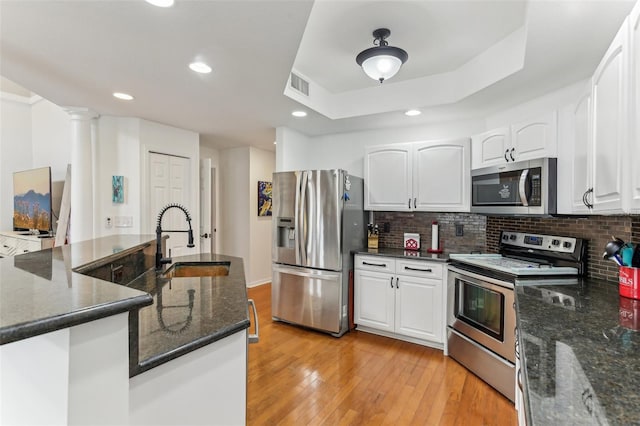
<point x="318" y="219"/>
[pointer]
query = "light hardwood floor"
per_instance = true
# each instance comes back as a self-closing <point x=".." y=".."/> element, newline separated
<point x="301" y="377"/>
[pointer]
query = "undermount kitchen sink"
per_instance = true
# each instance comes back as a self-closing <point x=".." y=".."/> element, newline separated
<point x="197" y="269"/>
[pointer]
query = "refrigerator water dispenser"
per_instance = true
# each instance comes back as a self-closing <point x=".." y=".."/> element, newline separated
<point x="286" y="235"/>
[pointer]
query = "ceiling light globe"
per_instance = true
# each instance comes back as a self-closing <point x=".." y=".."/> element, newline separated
<point x="381" y="67"/>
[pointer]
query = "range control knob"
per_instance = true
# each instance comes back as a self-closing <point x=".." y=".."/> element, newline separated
<point x="555" y="242"/>
<point x="512" y="237"/>
<point x="505" y="237"/>
<point x="567" y="244"/>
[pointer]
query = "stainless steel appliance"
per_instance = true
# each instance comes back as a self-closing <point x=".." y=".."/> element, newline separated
<point x="318" y="220"/>
<point x="526" y="188"/>
<point x="481" y="324"/>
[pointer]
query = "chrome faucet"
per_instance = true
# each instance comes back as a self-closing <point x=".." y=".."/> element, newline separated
<point x="160" y="260"/>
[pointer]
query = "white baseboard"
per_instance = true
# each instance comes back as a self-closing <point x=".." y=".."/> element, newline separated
<point x="259" y="282"/>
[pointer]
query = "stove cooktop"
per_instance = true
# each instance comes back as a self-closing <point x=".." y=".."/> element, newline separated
<point x="517" y="267"/>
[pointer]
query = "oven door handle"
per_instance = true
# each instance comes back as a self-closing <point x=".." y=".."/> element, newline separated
<point x="481" y="279"/>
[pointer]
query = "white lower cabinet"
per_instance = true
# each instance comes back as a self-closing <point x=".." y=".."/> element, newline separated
<point x="400" y="298"/>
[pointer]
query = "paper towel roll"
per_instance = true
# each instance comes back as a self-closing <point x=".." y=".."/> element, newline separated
<point x="435" y="243"/>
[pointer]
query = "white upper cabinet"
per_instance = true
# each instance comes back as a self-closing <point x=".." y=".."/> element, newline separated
<point x="526" y="140"/>
<point x="388" y="177"/>
<point x="536" y="138"/>
<point x="418" y="176"/>
<point x="491" y="148"/>
<point x="442" y="175"/>
<point x="634" y="140"/>
<point x="581" y="158"/>
<point x="610" y="88"/>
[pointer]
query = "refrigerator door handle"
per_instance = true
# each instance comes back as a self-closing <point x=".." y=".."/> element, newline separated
<point x="296" y="219"/>
<point x="301" y="222"/>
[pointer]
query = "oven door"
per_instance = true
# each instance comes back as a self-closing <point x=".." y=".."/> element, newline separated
<point x="482" y="309"/>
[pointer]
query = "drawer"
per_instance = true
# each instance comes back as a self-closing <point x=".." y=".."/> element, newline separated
<point x="419" y="268"/>
<point x="375" y="263"/>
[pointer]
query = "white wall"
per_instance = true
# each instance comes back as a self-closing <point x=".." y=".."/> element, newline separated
<point x="262" y="166"/>
<point x="36" y="133"/>
<point x="50" y="133"/>
<point x="234" y="232"/>
<point x="346" y="150"/>
<point x="15" y="149"/>
<point x="242" y="232"/>
<point x="118" y="154"/>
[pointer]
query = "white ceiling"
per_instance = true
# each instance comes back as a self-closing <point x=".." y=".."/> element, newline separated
<point x="76" y="53"/>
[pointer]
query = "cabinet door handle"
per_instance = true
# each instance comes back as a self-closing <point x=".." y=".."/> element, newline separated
<point x="584" y="198"/>
<point x="408" y="268"/>
<point x="397" y="279"/>
<point x="505" y="156"/>
<point x="511" y="154"/>
<point x="409" y="202"/>
<point x="380" y="265"/>
<point x="589" y="204"/>
<point x="391" y="282"/>
<point x="414" y="203"/>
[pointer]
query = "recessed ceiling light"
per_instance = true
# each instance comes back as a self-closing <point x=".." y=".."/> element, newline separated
<point x="123" y="96"/>
<point x="413" y="112"/>
<point x="200" y="67"/>
<point x="161" y="3"/>
<point x="299" y="113"/>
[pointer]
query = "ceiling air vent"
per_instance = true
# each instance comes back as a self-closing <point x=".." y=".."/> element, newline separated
<point x="299" y="84"/>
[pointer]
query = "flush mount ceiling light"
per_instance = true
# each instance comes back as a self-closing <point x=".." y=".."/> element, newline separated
<point x="413" y="112"/>
<point x="161" y="3"/>
<point x="200" y="67"/>
<point x="382" y="61"/>
<point x="123" y="96"/>
<point x="299" y="113"/>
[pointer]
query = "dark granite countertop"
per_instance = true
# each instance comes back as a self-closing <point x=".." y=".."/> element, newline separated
<point x="405" y="254"/>
<point x="580" y="347"/>
<point x="187" y="313"/>
<point x="40" y="293"/>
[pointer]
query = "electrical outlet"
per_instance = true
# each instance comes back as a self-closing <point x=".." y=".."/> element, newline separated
<point x="459" y="230"/>
<point x="123" y="221"/>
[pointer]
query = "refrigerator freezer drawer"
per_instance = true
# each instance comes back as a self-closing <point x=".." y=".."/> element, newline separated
<point x="307" y="297"/>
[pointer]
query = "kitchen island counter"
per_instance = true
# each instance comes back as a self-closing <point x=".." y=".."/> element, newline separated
<point x="187" y="312"/>
<point x="580" y="350"/>
<point x="40" y="293"/>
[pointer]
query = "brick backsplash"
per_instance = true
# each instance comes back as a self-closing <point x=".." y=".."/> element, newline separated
<point x="482" y="233"/>
<point x="474" y="230"/>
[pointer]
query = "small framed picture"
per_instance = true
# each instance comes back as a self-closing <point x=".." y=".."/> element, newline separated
<point x="117" y="183"/>
<point x="264" y="198"/>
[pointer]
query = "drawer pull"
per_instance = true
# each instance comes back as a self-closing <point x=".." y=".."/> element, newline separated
<point x="381" y="265"/>
<point x="408" y="268"/>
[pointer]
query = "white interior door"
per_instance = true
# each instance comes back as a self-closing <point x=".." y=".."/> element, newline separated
<point x="205" y="207"/>
<point x="169" y="181"/>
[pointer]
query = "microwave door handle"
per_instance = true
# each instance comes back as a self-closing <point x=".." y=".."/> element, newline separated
<point x="522" y="187"/>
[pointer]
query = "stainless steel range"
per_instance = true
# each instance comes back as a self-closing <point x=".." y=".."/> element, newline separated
<point x="481" y="323"/>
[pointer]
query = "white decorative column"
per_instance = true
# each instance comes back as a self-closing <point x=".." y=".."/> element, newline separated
<point x="81" y="224"/>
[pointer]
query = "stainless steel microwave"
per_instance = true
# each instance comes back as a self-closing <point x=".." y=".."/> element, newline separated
<point x="522" y="188"/>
